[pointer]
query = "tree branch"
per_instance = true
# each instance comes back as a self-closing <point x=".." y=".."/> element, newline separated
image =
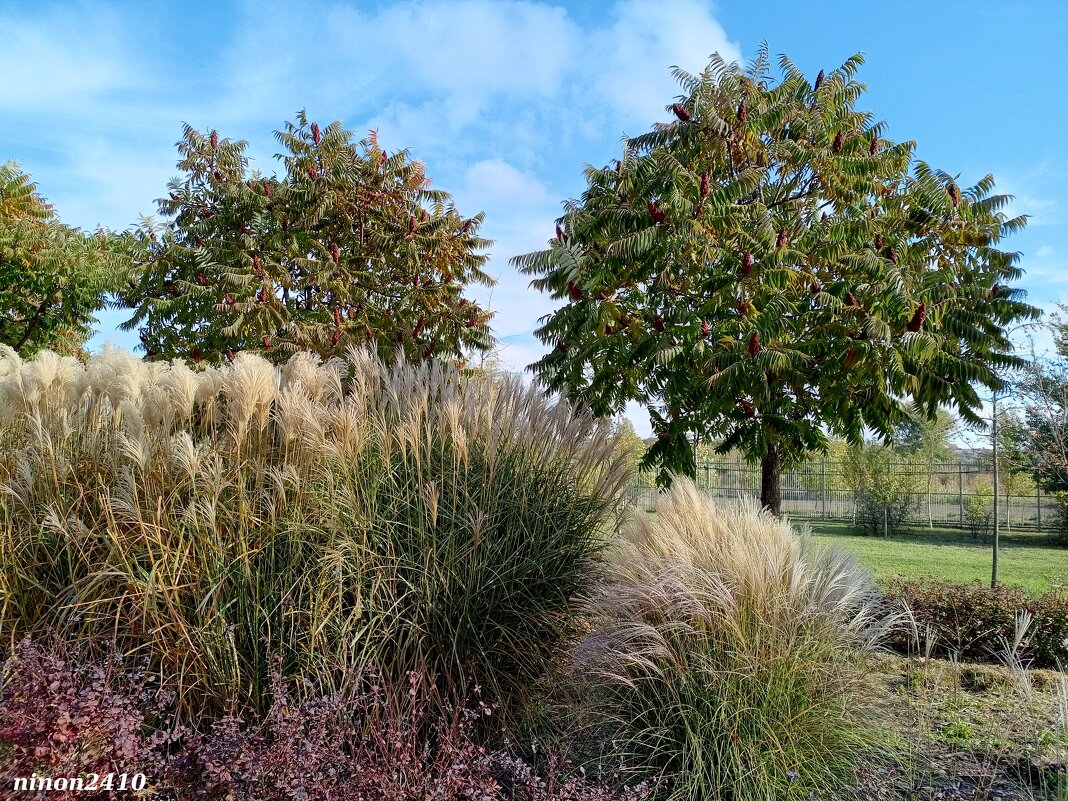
<point x="34" y="322"/>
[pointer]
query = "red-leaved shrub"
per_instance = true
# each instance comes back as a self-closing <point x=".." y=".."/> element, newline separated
<point x="62" y="716"/>
<point x="974" y="621"/>
<point x="366" y="749"/>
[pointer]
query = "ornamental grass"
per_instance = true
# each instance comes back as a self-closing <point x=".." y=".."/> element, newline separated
<point x="344" y="516"/>
<point x="727" y="654"/>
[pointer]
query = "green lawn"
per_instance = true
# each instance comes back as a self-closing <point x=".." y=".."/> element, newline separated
<point x="1027" y="560"/>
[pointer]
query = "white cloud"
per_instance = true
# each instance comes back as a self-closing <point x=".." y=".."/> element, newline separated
<point x="1040" y="210"/>
<point x="434" y="130"/>
<point x="1047" y="273"/>
<point x="627" y="63"/>
<point x="59" y="61"/>
<point x="519" y="213"/>
<point x="1044" y="252"/>
<point x="516" y="308"/>
<point x="112" y="186"/>
<point x="497" y="181"/>
<point x="409" y="66"/>
<point x="476" y="47"/>
<point x="1039" y="340"/>
<point x="461" y="78"/>
<point x="515" y="353"/>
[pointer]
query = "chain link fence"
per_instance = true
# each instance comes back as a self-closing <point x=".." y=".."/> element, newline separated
<point x="941" y="495"/>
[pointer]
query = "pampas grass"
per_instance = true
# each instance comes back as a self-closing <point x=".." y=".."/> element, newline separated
<point x="724" y="653"/>
<point x="339" y="515"/>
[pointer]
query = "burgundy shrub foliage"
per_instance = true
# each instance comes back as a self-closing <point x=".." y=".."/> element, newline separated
<point x="63" y="716"/>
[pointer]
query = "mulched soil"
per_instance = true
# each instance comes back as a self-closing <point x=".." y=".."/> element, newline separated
<point x="962" y="731"/>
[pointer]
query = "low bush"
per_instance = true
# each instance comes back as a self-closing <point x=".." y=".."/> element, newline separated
<point x="973" y="622"/>
<point x="979" y="510"/>
<point x="726" y="654"/>
<point x="884" y="495"/>
<point x="62" y="715"/>
<point x="338" y="515"/>
<point x="884" y="513"/>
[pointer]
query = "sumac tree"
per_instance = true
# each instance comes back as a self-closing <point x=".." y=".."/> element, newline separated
<point x="767" y="268"/>
<point x="348" y="245"/>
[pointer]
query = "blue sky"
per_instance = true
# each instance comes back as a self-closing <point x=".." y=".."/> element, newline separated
<point x="506" y="101"/>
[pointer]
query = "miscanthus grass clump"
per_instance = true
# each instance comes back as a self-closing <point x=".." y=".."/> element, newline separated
<point x="725" y="653"/>
<point x="344" y="516"/>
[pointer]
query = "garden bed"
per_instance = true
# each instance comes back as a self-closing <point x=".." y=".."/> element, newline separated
<point x="963" y="731"/>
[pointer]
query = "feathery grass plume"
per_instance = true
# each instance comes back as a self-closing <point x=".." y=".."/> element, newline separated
<point x="49" y="379"/>
<point x="1010" y="655"/>
<point x="337" y="514"/>
<point x="250" y="392"/>
<point x="725" y="653"/>
<point x="210" y="382"/>
<point x="117" y="374"/>
<point x="305" y="370"/>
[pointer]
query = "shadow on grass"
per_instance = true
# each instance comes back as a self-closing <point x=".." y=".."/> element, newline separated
<point x="940" y="535"/>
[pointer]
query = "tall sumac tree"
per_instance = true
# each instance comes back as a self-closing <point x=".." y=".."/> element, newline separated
<point x="767" y="268"/>
<point x="349" y="245"/>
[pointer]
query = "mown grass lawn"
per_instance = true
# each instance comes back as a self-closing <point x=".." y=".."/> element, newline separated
<point x="1026" y="560"/>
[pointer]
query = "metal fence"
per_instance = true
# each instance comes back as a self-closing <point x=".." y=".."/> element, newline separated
<point x="819" y="490"/>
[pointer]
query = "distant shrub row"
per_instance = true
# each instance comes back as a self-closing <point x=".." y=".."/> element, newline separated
<point x="974" y="622"/>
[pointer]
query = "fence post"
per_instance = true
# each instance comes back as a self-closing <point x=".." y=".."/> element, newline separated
<point x="1038" y="506"/>
<point x="960" y="492"/>
<point x="823" y="488"/>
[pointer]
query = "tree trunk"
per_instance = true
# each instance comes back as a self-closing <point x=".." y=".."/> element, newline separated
<point x="770" y="473"/>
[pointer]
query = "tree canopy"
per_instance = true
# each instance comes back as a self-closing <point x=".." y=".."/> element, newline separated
<point x="53" y="278"/>
<point x="767" y="268"/>
<point x="349" y="245"/>
<point x="927" y="437"/>
<point x="1039" y="442"/>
